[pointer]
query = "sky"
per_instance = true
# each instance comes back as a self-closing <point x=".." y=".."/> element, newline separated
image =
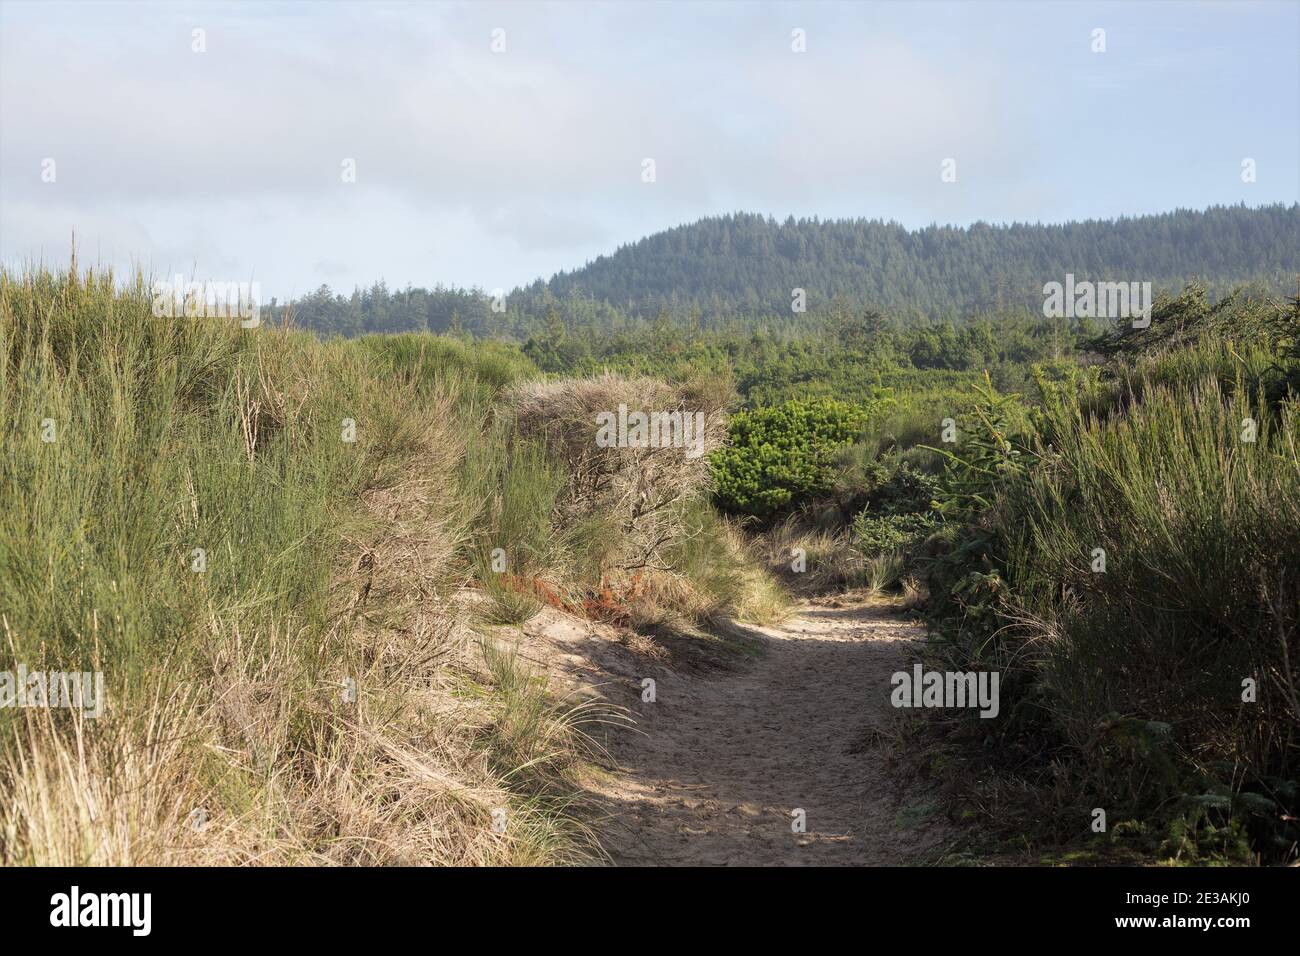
<point x="492" y="167"/>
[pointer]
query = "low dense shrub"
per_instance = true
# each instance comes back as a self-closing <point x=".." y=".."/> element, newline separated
<point x="878" y="533"/>
<point x="777" y="457"/>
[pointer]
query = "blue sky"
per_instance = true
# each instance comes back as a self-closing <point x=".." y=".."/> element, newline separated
<point x="475" y="167"/>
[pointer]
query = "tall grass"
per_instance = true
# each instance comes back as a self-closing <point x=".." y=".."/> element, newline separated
<point x="1201" y="534"/>
<point x="515" y="541"/>
<point x="184" y="514"/>
<point x="1164" y="681"/>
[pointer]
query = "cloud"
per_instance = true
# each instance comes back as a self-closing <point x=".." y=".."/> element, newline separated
<point x="478" y="167"/>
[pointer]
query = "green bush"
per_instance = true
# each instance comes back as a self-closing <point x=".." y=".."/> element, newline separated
<point x="776" y="457"/>
<point x="878" y="533"/>
<point x="905" y="490"/>
<point x="899" y="509"/>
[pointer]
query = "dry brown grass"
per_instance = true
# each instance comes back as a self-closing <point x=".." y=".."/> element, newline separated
<point x="632" y="539"/>
<point x="830" y="561"/>
<point x="101" y="792"/>
<point x="643" y="490"/>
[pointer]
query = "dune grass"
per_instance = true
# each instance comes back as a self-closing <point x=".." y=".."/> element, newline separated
<point x="1137" y="584"/>
<point x="252" y="535"/>
<point x="1201" y="534"/>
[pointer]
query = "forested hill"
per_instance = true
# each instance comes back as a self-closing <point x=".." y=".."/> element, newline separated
<point x="738" y="272"/>
<point x="749" y="264"/>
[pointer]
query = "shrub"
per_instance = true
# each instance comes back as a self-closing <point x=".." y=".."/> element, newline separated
<point x="778" y="456"/>
<point x="878" y="533"/>
<point x="898" y="514"/>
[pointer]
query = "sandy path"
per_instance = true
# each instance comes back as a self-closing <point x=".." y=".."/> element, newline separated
<point x="718" y="762"/>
